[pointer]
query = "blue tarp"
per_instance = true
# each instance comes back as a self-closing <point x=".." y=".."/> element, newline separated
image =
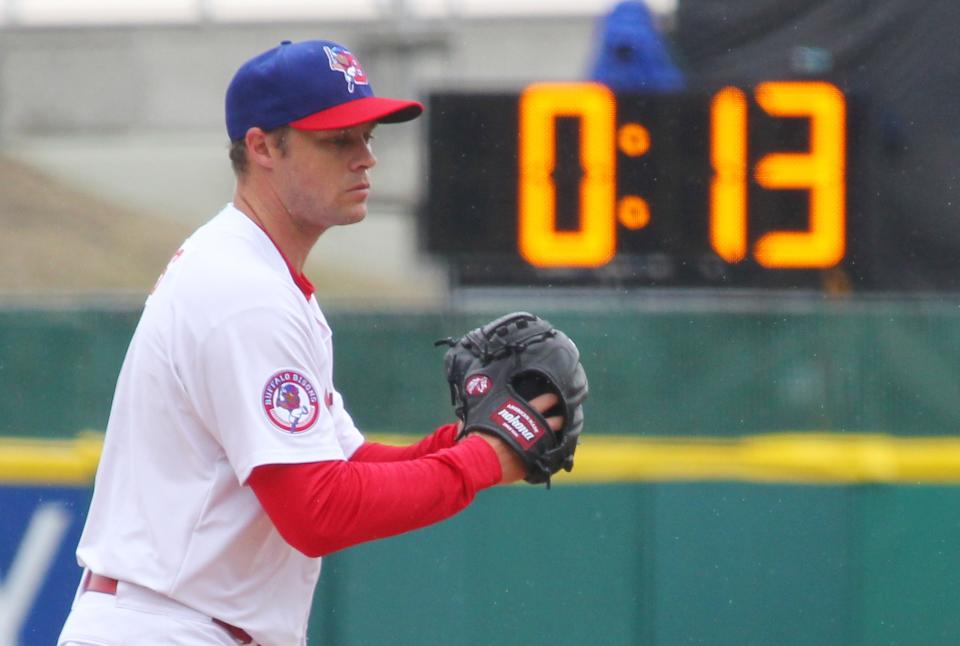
<point x="631" y="54"/>
<point x="38" y="567"/>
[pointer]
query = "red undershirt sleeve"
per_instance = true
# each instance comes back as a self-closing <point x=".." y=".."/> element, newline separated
<point x="442" y="438"/>
<point x="321" y="507"/>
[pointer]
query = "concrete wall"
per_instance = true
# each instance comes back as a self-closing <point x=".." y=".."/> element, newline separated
<point x="116" y="109"/>
<point x="135" y="115"/>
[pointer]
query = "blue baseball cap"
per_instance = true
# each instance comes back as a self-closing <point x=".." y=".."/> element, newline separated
<point x="310" y="85"/>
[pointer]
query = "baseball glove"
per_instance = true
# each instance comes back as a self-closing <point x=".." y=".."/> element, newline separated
<point x="496" y="369"/>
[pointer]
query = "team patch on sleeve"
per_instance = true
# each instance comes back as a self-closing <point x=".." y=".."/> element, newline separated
<point x="291" y="401"/>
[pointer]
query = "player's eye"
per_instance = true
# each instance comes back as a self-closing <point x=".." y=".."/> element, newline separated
<point x="346" y="138"/>
<point x="338" y="138"/>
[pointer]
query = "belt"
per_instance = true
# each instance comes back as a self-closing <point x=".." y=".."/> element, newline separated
<point x="106" y="585"/>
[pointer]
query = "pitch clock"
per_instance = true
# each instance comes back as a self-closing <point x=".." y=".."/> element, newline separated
<point x="571" y="184"/>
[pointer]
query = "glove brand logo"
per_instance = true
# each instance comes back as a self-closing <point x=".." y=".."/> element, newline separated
<point x="478" y="385"/>
<point x="518" y="422"/>
<point x="290" y="401"/>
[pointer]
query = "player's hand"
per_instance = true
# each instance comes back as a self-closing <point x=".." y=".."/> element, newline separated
<point x="510" y="462"/>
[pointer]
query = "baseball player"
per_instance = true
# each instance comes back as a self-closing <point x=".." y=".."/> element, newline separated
<point x="230" y="465"/>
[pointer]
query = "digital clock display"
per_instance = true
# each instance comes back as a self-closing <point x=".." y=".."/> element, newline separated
<point x="569" y="184"/>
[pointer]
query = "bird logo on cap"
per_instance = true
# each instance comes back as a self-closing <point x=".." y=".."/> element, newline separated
<point x="342" y="60"/>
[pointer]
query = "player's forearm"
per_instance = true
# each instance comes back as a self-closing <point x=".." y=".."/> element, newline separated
<point x="442" y="438"/>
<point x="325" y="506"/>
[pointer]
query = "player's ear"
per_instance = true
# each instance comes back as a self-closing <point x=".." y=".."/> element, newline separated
<point x="260" y="150"/>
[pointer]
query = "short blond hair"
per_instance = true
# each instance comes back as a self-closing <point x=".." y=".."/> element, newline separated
<point x="238" y="149"/>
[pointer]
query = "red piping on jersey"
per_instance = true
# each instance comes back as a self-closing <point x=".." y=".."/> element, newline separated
<point x="302" y="282"/>
<point x="321" y="507"/>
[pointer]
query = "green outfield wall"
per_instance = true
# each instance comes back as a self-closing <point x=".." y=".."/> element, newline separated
<point x="780" y="474"/>
<point x="874" y="367"/>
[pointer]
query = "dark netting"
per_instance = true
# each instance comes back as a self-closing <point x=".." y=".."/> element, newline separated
<point x="902" y="58"/>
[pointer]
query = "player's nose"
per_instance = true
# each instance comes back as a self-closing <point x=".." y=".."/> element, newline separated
<point x="367" y="159"/>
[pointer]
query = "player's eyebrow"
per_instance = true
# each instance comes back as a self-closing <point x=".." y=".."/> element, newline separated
<point x="362" y="130"/>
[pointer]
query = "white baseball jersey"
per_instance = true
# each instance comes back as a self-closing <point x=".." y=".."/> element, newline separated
<point x="230" y="367"/>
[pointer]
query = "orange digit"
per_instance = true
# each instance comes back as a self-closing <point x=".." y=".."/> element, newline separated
<point x="594" y="243"/>
<point x="728" y="188"/>
<point x="821" y="171"/>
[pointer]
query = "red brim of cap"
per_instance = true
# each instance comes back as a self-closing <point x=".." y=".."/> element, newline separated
<point x="353" y="113"/>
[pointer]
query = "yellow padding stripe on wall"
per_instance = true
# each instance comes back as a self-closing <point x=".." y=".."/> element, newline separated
<point x="814" y="458"/>
<point x="50" y="462"/>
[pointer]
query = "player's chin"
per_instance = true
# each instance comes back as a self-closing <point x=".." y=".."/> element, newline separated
<point x="356" y="213"/>
<point x="355" y="208"/>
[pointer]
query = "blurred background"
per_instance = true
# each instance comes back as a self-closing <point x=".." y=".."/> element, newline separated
<point x="746" y="220"/>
